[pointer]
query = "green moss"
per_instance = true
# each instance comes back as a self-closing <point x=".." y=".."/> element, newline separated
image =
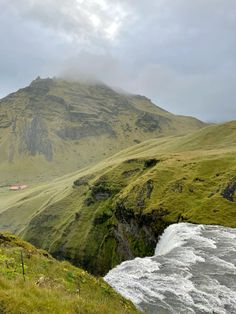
<point x="51" y="286"/>
<point x="130" y="204"/>
<point x="87" y="121"/>
<point x="127" y="214"/>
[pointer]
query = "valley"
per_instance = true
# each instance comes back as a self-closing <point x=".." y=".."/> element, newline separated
<point x="95" y="177"/>
<point x="117" y="157"/>
<point x="117" y="209"/>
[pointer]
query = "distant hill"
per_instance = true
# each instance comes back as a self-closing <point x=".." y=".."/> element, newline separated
<point x="53" y="127"/>
<point x="117" y="209"/>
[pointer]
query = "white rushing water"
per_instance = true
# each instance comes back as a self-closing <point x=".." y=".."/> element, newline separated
<point x="193" y="271"/>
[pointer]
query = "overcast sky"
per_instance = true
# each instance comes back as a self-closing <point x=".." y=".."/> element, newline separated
<point x="180" y="53"/>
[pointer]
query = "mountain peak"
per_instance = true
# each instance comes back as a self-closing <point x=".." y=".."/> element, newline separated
<point x="67" y="122"/>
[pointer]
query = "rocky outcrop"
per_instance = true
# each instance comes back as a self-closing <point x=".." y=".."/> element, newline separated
<point x="148" y="163"/>
<point x="100" y="191"/>
<point x="86" y="129"/>
<point x="137" y="234"/>
<point x="230" y="190"/>
<point x="35" y="139"/>
<point x="75" y="124"/>
<point x="5" y="122"/>
<point x="150" y="123"/>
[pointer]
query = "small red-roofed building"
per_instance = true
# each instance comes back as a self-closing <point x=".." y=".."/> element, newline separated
<point x="18" y="187"/>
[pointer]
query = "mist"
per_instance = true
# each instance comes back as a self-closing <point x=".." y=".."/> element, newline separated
<point x="182" y="55"/>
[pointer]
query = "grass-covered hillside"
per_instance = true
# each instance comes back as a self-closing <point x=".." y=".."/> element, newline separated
<point x="49" y="286"/>
<point x="53" y="127"/>
<point x="116" y="210"/>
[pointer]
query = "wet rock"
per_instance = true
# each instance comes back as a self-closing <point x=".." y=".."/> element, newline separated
<point x="122" y="213"/>
<point x="182" y="218"/>
<point x="137" y="234"/>
<point x="131" y="172"/>
<point x="148" y="163"/>
<point x="229" y="191"/>
<point x="123" y="246"/>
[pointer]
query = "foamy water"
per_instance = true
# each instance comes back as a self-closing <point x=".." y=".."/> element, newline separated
<point x="193" y="271"/>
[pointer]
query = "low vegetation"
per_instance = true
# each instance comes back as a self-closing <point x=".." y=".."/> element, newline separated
<point x="117" y="209"/>
<point x="88" y="121"/>
<point x="49" y="286"/>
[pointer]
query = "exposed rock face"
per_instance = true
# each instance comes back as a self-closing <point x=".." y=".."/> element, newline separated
<point x="137" y="235"/>
<point x="119" y="230"/>
<point x="150" y="162"/>
<point x="229" y="191"/>
<point x="35" y="139"/>
<point x="150" y="123"/>
<point x="5" y="122"/>
<point x="75" y="124"/>
<point x="86" y="129"/>
<point x="117" y="209"/>
<point x="102" y="190"/>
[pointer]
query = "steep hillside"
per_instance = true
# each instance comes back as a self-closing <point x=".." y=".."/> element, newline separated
<point x="116" y="210"/>
<point x="53" y="127"/>
<point x="49" y="286"/>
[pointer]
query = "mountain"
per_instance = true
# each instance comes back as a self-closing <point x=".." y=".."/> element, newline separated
<point x="53" y="127"/>
<point x="117" y="209"/>
<point x="49" y="286"/>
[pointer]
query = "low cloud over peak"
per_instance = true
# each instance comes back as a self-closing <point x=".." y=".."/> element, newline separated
<point x="181" y="53"/>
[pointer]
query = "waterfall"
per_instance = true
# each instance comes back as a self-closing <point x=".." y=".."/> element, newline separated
<point x="193" y="271"/>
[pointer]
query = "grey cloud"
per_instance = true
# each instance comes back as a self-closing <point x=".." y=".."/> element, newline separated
<point x="79" y="20"/>
<point x="180" y="53"/>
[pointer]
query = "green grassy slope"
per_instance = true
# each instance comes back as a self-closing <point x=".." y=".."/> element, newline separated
<point x="116" y="210"/>
<point x="54" y="127"/>
<point x="51" y="286"/>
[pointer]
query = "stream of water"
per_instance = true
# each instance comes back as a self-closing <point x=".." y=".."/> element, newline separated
<point x="193" y="271"/>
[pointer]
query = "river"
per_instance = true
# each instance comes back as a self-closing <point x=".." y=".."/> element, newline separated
<point x="193" y="271"/>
